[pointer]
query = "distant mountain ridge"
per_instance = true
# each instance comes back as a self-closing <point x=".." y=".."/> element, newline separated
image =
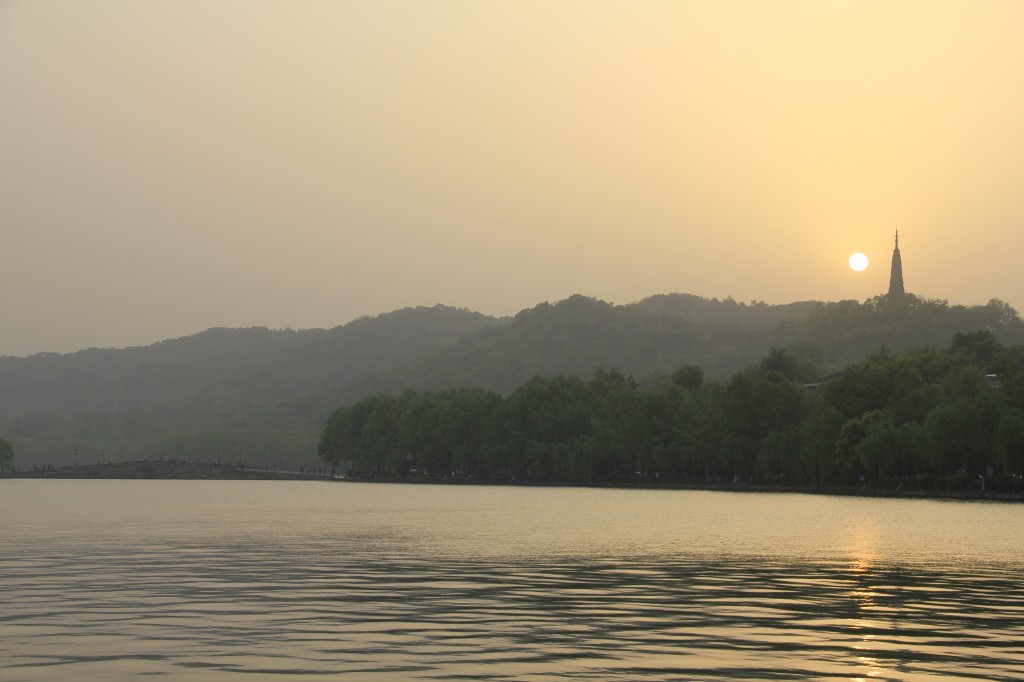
<point x="659" y="334"/>
<point x="579" y="334"/>
<point x="225" y="361"/>
<point x="218" y="391"/>
<point x="261" y="395"/>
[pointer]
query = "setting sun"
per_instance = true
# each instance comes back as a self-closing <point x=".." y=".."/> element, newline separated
<point x="858" y="262"/>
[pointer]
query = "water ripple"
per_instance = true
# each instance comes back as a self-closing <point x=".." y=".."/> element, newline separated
<point x="399" y="605"/>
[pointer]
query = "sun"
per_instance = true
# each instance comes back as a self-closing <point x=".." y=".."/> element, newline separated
<point x="858" y="262"/>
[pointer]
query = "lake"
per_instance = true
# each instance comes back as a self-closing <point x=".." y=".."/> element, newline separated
<point x="204" y="580"/>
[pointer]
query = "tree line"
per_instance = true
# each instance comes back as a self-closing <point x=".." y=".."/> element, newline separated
<point x="927" y="419"/>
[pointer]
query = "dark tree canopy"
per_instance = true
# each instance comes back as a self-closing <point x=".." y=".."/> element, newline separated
<point x="925" y="419"/>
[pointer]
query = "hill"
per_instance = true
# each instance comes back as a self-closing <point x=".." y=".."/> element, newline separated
<point x="263" y="395"/>
<point x="208" y="395"/>
<point x="657" y="335"/>
<point x="580" y="334"/>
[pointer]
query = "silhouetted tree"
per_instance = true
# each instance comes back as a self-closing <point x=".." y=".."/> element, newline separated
<point x="690" y="377"/>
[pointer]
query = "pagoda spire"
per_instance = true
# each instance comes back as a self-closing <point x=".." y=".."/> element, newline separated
<point x="896" y="274"/>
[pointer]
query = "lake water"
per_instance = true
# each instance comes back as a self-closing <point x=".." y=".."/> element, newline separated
<point x="108" y="580"/>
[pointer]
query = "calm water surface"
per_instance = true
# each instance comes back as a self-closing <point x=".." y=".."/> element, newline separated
<point x="108" y="580"/>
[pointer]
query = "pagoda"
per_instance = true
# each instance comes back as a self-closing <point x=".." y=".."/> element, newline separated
<point x="896" y="289"/>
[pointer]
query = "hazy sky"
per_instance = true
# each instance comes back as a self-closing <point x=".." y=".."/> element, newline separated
<point x="172" y="165"/>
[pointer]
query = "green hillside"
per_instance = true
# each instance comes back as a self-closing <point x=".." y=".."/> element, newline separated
<point x="263" y="395"/>
<point x="652" y="338"/>
<point x="256" y="393"/>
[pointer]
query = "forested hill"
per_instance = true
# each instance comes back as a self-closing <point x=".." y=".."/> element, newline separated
<point x="753" y="315"/>
<point x="579" y="334"/>
<point x="257" y="389"/>
<point x="654" y="337"/>
<point x="264" y="395"/>
<point x="228" y="366"/>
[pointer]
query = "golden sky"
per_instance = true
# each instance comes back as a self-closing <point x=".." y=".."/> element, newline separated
<point x="172" y="165"/>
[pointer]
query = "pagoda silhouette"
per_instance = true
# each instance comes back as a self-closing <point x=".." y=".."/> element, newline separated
<point x="896" y="289"/>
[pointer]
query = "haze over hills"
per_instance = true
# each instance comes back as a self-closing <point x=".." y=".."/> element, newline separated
<point x="262" y="395"/>
<point x="660" y="333"/>
<point x="580" y="334"/>
<point x="220" y="390"/>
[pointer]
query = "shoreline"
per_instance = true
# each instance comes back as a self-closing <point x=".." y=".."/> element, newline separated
<point x="954" y="495"/>
<point x="194" y="471"/>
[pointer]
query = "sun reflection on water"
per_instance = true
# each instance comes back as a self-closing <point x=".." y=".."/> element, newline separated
<point x="861" y="548"/>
